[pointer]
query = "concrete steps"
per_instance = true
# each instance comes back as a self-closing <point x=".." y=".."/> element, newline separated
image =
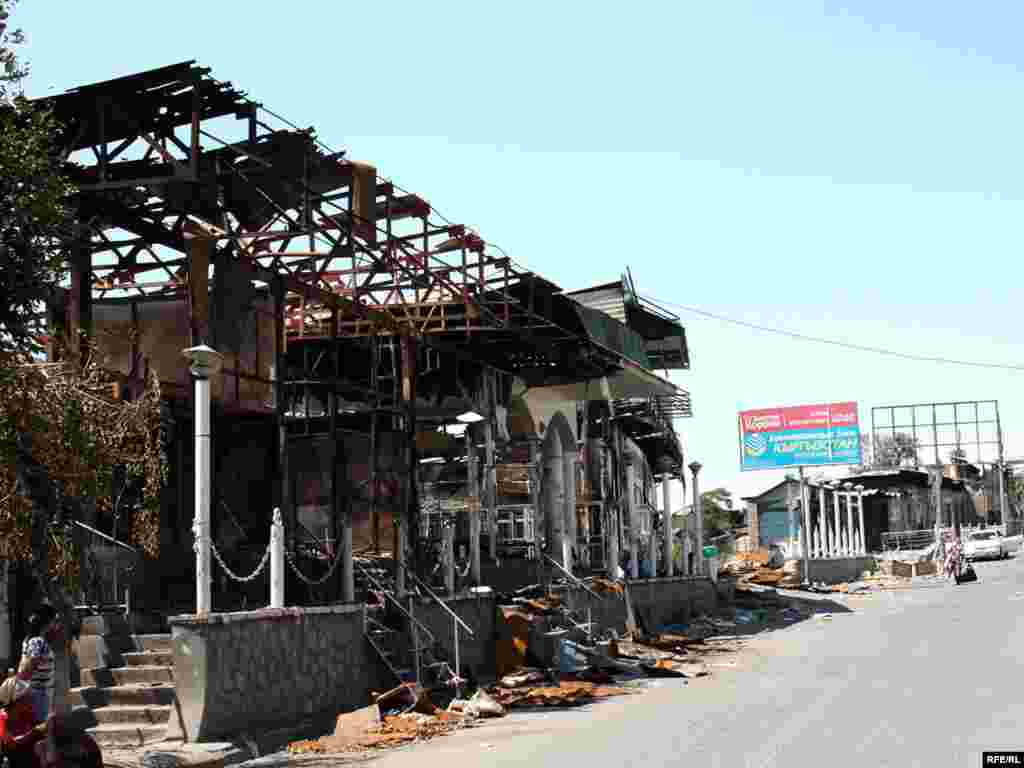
<point x="130" y="704"/>
<point x="124" y="735"/>
<point x="127" y="675"/>
<point x="159" y="643"/>
<point x="149" y="659"/>
<point x="123" y="696"/>
<point x="131" y="715"/>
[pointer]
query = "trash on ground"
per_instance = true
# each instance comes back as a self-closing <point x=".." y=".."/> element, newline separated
<point x="368" y="728"/>
<point x="565" y="694"/>
<point x="607" y="586"/>
<point x="483" y="705"/>
<point x="523" y="677"/>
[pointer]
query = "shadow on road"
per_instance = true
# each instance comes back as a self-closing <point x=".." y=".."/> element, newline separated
<point x="757" y="611"/>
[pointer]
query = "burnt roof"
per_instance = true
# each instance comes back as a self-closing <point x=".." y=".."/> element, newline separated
<point x="157" y="99"/>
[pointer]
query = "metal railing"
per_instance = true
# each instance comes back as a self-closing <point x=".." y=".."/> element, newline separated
<point x="108" y="566"/>
<point x="576" y="581"/>
<point x="897" y="541"/>
<point x="456" y="621"/>
<point x="388" y="596"/>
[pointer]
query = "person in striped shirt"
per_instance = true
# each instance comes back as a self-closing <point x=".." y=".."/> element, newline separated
<point x="37" y="659"/>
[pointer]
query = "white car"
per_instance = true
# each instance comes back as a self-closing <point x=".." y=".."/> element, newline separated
<point x="982" y="544"/>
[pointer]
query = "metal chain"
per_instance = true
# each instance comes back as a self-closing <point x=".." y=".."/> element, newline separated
<point x="312" y="582"/>
<point x="231" y="574"/>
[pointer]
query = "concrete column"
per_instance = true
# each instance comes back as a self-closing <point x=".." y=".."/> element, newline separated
<point x="863" y="548"/>
<point x="698" y="512"/>
<point x="534" y="482"/>
<point x="652" y="541"/>
<point x="569" y="542"/>
<point x="348" y="575"/>
<point x="849" y="550"/>
<point x="670" y="535"/>
<point x="407" y="345"/>
<point x="554" y="499"/>
<point x="837" y="527"/>
<point x="822" y="522"/>
<point x="449" y="555"/>
<point x="634" y="521"/>
<point x="277" y="560"/>
<point x="790" y="518"/>
<point x="473" y="500"/>
<point x="490" y="493"/>
<point x="611" y="534"/>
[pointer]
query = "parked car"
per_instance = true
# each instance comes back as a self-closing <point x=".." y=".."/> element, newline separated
<point x="986" y="544"/>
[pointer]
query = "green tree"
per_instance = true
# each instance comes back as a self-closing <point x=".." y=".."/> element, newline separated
<point x="720" y="514"/>
<point x="895" y="450"/>
<point x="34" y="195"/>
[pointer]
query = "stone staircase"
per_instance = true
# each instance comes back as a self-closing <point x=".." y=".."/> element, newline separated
<point x="127" y="696"/>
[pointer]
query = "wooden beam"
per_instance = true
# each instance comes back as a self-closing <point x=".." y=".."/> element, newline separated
<point x="79" y="318"/>
<point x="200" y="251"/>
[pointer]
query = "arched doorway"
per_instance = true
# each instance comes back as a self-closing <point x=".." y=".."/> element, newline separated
<point x="558" y="504"/>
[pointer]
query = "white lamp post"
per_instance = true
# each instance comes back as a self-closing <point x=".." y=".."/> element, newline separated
<point x="698" y="515"/>
<point x="206" y="362"/>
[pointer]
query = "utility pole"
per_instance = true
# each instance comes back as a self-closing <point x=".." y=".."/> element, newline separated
<point x="1002" y="479"/>
<point x="790" y="513"/>
<point x="805" y="528"/>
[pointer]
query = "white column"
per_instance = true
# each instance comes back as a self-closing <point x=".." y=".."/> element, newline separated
<point x="863" y="547"/>
<point x="698" y="513"/>
<point x="670" y="534"/>
<point x="687" y="546"/>
<point x="277" y="560"/>
<point x="837" y="527"/>
<point x="569" y="538"/>
<point x="849" y="519"/>
<point x="449" y="554"/>
<point x="822" y="522"/>
<point x="634" y="521"/>
<point x="553" y="502"/>
<point x="201" y="525"/>
<point x="790" y="518"/>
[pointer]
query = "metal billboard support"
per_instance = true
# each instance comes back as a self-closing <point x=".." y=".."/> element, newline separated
<point x="977" y="439"/>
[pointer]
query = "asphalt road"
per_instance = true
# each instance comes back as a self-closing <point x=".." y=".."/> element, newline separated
<point x="930" y="676"/>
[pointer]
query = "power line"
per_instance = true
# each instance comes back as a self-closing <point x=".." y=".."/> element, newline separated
<point x="836" y="342"/>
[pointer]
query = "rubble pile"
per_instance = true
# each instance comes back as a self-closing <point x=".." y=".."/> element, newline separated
<point x="402" y="715"/>
<point x="764" y="568"/>
<point x="567" y="693"/>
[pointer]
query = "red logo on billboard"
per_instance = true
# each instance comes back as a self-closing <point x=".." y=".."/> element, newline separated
<point x="800" y="417"/>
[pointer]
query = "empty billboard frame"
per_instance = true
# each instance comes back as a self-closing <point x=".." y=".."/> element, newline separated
<point x="935" y="434"/>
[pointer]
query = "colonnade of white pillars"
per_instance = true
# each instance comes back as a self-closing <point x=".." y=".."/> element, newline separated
<point x="839" y="530"/>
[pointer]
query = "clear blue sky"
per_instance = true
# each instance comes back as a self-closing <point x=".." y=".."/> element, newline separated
<point x="844" y="171"/>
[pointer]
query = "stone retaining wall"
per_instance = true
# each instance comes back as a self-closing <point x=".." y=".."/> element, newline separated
<point x="838" y="570"/>
<point x="239" y="673"/>
<point x="656" y="602"/>
<point x="242" y="672"/>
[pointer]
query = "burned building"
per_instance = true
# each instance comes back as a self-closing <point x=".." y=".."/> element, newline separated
<point x="401" y="390"/>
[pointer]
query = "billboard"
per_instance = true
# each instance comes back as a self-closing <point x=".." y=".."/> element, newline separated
<point x="802" y="435"/>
